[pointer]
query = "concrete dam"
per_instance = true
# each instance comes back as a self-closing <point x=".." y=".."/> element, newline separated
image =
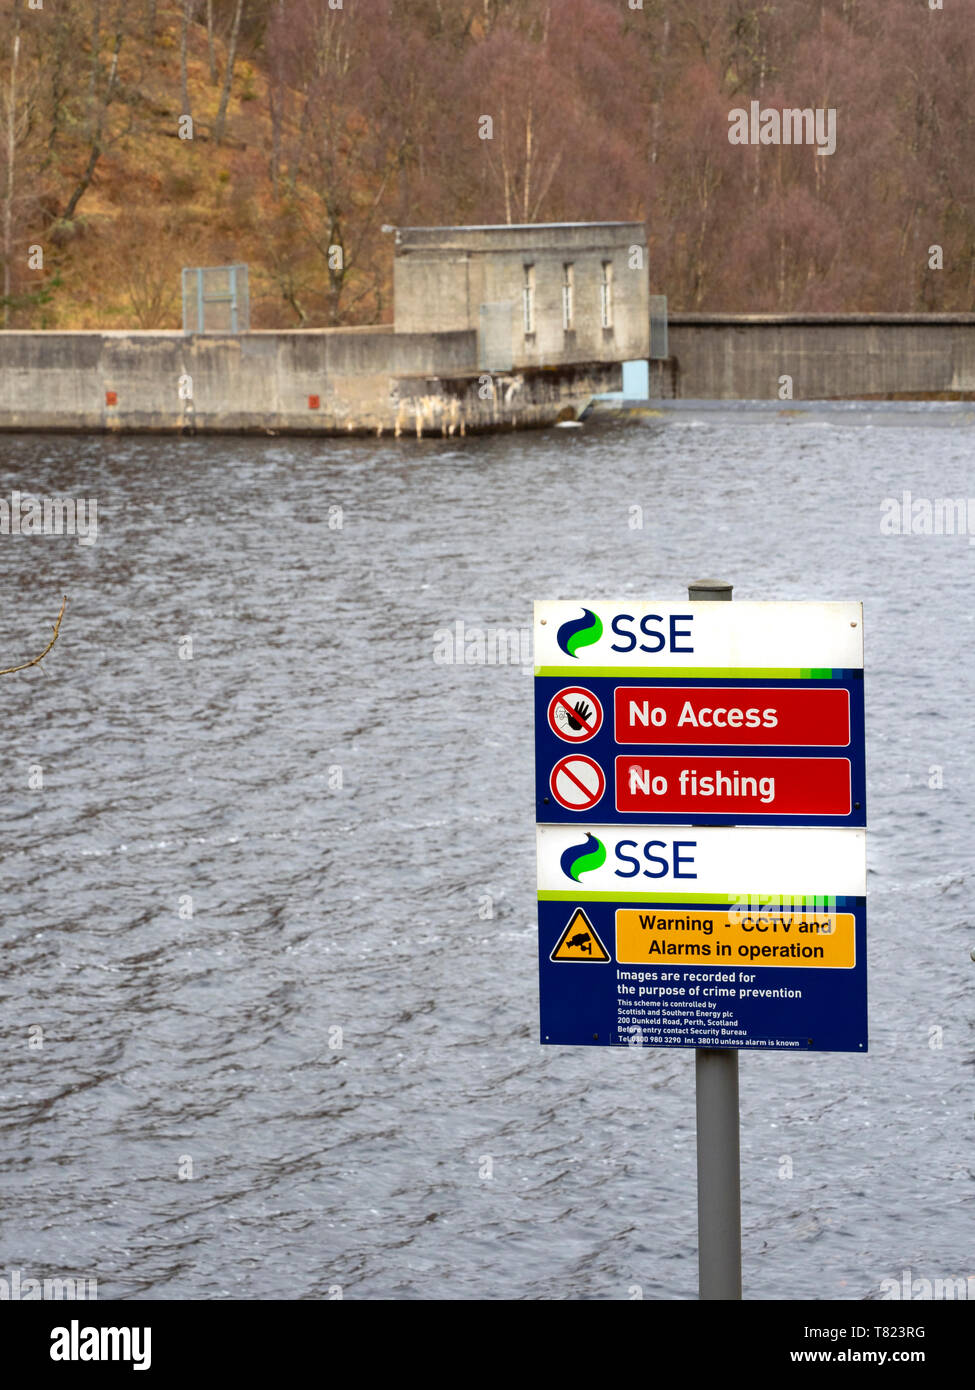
<point x="494" y="327"/>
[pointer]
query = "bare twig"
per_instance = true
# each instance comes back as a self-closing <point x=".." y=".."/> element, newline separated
<point x="24" y="665"/>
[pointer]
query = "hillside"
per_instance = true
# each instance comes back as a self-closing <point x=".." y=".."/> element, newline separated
<point x="345" y="115"/>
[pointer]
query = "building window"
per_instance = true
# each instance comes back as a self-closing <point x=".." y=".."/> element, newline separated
<point x="528" y="300"/>
<point x="568" y="297"/>
<point x="606" y="295"/>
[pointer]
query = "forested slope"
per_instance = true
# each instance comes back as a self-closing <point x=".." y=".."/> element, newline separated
<point x="316" y="122"/>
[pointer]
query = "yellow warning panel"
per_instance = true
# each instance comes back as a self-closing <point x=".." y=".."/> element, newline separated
<point x="697" y="936"/>
<point x="579" y="941"/>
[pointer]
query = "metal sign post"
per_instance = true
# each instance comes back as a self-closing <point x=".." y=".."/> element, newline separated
<point x="701" y="833"/>
<point x="718" y="1153"/>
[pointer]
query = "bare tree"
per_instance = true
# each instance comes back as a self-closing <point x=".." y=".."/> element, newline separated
<point x="228" y="76"/>
<point x="517" y="83"/>
<point x="60" y="60"/>
<point x="211" y="55"/>
<point x="188" y="7"/>
<point x="277" y="86"/>
<point x="293" y="274"/>
<point x="148" y="267"/>
<point x="11" y="134"/>
<point x="337" y="65"/>
<point x="524" y="185"/>
<point x="101" y="94"/>
<point x="20" y="120"/>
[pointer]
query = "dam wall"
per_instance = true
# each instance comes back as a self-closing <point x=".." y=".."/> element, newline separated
<point x="827" y="357"/>
<point x="378" y="380"/>
<point x="314" y="381"/>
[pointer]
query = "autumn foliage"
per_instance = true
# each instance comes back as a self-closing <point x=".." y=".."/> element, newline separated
<point x="314" y="127"/>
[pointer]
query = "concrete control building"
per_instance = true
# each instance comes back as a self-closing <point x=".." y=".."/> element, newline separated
<point x="493" y="327"/>
<point x="545" y="295"/>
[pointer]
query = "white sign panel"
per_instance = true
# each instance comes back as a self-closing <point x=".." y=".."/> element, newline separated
<point x="643" y="861"/>
<point x="644" y="635"/>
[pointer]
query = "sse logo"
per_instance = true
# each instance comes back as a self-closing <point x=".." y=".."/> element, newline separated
<point x="580" y="632"/>
<point x="663" y="633"/>
<point x="675" y="862"/>
<point x="579" y="859"/>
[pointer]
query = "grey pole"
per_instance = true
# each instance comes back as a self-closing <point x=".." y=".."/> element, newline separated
<point x="718" y="1157"/>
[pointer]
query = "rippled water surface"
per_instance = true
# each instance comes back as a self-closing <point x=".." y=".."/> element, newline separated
<point x="293" y="988"/>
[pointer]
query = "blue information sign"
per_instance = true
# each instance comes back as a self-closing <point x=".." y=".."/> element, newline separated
<point x="793" y="757"/>
<point x="665" y="993"/>
<point x="701" y="804"/>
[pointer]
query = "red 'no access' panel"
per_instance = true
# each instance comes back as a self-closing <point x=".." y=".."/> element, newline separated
<point x="720" y="786"/>
<point x="723" y="714"/>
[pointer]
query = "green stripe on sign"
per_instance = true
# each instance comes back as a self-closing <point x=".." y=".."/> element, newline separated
<point x="643" y="673"/>
<point x="755" y="902"/>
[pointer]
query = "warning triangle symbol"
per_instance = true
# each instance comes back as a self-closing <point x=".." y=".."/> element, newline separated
<point x="580" y="942"/>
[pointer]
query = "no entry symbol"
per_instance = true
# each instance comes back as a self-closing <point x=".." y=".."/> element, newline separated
<point x="577" y="782"/>
<point x="575" y="714"/>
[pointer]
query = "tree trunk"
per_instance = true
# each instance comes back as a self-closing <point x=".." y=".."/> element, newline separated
<point x="527" y="184"/>
<point x="276" y="93"/>
<point x="211" y="55"/>
<point x="291" y="298"/>
<point x="96" y="40"/>
<point x="60" y="85"/>
<point x="228" y="77"/>
<point x="97" y="110"/>
<point x="659" y="91"/>
<point x="276" y="103"/>
<point x="183" y="75"/>
<point x="8" y="202"/>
